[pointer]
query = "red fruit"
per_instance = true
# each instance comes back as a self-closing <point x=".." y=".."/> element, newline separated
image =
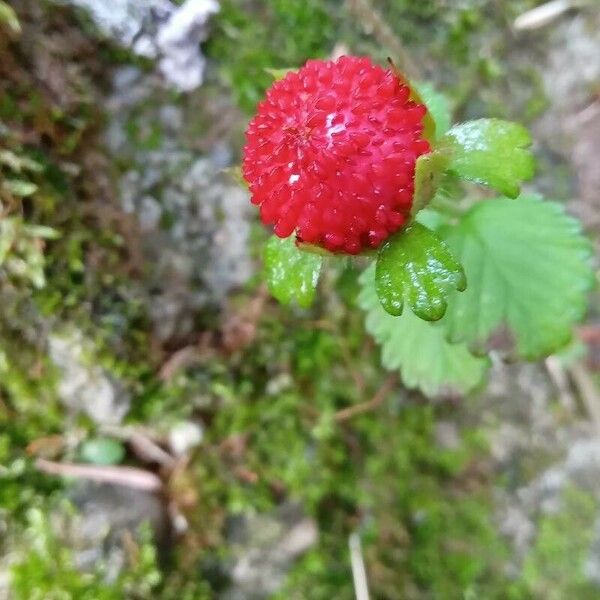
<point x="331" y="154"/>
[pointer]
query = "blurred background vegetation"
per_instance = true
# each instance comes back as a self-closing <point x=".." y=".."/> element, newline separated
<point x="135" y="332"/>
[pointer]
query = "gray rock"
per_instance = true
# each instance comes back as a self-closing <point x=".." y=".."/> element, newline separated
<point x="572" y="67"/>
<point x="181" y="63"/>
<point x="570" y="126"/>
<point x="185" y="436"/>
<point x="520" y="529"/>
<point x="539" y="450"/>
<point x="150" y="213"/>
<point x="128" y="22"/>
<point x="583" y="129"/>
<point x="582" y="465"/>
<point x="97" y="527"/>
<point x="518" y="399"/>
<point x="194" y="222"/>
<point x="519" y="512"/>
<point x="83" y="385"/>
<point x="580" y="468"/>
<point x="446" y="435"/>
<point x="160" y="30"/>
<point x="105" y="515"/>
<point x="263" y="548"/>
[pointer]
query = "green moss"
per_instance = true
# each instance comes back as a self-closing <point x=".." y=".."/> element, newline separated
<point x="48" y="570"/>
<point x="427" y="530"/>
<point x="280" y="33"/>
<point x="554" y="568"/>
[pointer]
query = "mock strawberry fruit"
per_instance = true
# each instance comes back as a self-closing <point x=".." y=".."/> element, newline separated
<point x="331" y="153"/>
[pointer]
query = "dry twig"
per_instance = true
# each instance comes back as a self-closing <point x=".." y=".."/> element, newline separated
<point x="126" y="476"/>
<point x="359" y="573"/>
<point x="559" y="377"/>
<point x="587" y="390"/>
<point x="542" y="15"/>
<point x="373" y="403"/>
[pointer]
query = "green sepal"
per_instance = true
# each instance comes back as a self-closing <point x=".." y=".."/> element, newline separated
<point x="429" y="172"/>
<point x="278" y="74"/>
<point x="437" y="106"/>
<point x="313" y="249"/>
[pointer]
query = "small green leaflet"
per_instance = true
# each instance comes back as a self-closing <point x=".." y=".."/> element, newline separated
<point x="18" y="187"/>
<point x="19" y="163"/>
<point x="291" y="274"/>
<point x="430" y="170"/>
<point x="9" y="229"/>
<point x="438" y="106"/>
<point x="21" y="253"/>
<point x="491" y="152"/>
<point x="418" y="349"/>
<point x="8" y="16"/>
<point x="278" y="74"/>
<point x="529" y="268"/>
<point x="102" y="451"/>
<point x="416" y="267"/>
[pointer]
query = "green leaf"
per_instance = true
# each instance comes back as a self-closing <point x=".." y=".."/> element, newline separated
<point x="416" y="267"/>
<point x="102" y="451"/>
<point x="529" y="269"/>
<point x="18" y="187"/>
<point x="8" y="234"/>
<point x="429" y="172"/>
<point x="438" y="106"/>
<point x="291" y="273"/>
<point x="21" y="250"/>
<point x="418" y="349"/>
<point x="42" y="231"/>
<point x="8" y="16"/>
<point x="491" y="152"/>
<point x="19" y="163"/>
